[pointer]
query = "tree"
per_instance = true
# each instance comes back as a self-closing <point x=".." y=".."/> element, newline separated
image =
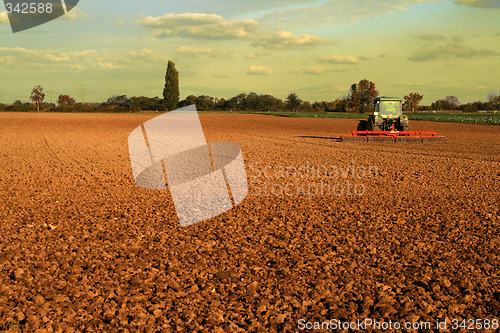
<point x="454" y="102"/>
<point x="120" y="100"/>
<point x="171" y="90"/>
<point x="293" y="102"/>
<point x="65" y="100"/>
<point x="353" y="96"/>
<point x="37" y="96"/>
<point x="362" y="93"/>
<point x="412" y="100"/>
<point x="441" y="104"/>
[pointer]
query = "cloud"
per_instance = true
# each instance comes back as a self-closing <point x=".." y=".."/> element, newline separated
<point x="408" y="84"/>
<point x="454" y="49"/>
<point x="317" y="70"/>
<point x="20" y="58"/>
<point x="201" y="26"/>
<point x="258" y="55"/>
<point x="334" y="12"/>
<point x="321" y="90"/>
<point x="76" y="14"/>
<point x="4" y="17"/>
<point x="457" y="39"/>
<point x="121" y="22"/>
<point x="194" y="51"/>
<point x="258" y="70"/>
<point x="338" y="59"/>
<point x="171" y="20"/>
<point x="430" y="37"/>
<point x="212" y="26"/>
<point x="479" y="3"/>
<point x="286" y="40"/>
<point x="144" y="55"/>
<point x="365" y="58"/>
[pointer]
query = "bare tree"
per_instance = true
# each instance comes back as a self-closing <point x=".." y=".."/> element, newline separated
<point x="454" y="102"/>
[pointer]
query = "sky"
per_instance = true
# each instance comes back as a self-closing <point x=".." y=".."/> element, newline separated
<point x="314" y="48"/>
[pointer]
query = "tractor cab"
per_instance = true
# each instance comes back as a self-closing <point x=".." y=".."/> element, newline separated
<point x="388" y="107"/>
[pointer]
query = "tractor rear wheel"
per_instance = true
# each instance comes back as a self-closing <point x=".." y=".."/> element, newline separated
<point x="371" y="126"/>
<point x="362" y="125"/>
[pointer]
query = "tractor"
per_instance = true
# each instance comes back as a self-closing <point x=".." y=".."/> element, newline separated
<point x="387" y="115"/>
<point x="389" y="124"/>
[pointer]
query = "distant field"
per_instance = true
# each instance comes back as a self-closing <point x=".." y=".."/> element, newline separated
<point x="447" y="117"/>
<point x="466" y="118"/>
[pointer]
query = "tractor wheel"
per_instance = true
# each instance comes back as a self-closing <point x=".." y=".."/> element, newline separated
<point x="371" y="126"/>
<point x="362" y="125"/>
<point x="403" y="127"/>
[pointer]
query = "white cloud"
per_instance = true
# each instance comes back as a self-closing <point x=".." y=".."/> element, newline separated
<point x="4" y="17"/>
<point x="20" y="58"/>
<point x="285" y="40"/>
<point x="258" y="70"/>
<point x="203" y="51"/>
<point x="145" y="55"/>
<point x="444" y="51"/>
<point x="171" y="20"/>
<point x="205" y="26"/>
<point x="338" y="59"/>
<point x="76" y="14"/>
<point x="334" y="12"/>
<point x="317" y="70"/>
<point x="212" y="26"/>
<point x="479" y="3"/>
<point x="258" y="55"/>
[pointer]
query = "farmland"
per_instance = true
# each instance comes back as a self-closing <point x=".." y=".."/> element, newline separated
<point x="449" y="117"/>
<point x="82" y="248"/>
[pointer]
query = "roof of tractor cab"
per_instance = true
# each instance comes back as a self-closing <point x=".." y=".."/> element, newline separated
<point x="383" y="98"/>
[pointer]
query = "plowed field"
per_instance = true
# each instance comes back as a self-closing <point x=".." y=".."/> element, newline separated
<point x="387" y="231"/>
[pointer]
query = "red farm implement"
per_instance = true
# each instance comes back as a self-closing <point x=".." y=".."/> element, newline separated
<point x="393" y="136"/>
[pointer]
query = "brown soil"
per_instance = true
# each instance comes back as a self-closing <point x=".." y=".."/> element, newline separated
<point x="83" y="249"/>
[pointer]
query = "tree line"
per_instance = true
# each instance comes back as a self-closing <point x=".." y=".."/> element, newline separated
<point x="359" y="99"/>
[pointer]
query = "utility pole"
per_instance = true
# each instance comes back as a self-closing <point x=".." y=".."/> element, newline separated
<point x="50" y="95"/>
<point x="83" y="88"/>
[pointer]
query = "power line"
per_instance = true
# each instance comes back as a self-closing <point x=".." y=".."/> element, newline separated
<point x="83" y="88"/>
<point x="50" y="94"/>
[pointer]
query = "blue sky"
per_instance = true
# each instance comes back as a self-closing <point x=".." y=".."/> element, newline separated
<point x="223" y="47"/>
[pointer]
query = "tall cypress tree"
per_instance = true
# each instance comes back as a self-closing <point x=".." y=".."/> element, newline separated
<point x="171" y="90"/>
